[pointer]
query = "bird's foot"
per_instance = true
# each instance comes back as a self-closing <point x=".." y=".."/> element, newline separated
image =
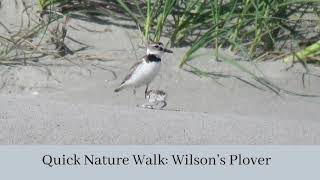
<point x="146" y="106"/>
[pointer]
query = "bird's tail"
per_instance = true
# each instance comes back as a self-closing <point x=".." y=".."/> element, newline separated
<point x="118" y="89"/>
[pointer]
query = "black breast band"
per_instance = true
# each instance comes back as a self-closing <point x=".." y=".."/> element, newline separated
<point x="152" y="58"/>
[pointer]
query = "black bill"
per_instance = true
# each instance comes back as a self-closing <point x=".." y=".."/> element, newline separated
<point x="167" y="50"/>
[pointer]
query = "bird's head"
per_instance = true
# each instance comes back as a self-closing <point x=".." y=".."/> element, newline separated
<point x="157" y="49"/>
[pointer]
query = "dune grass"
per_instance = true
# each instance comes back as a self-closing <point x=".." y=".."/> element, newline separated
<point x="26" y="44"/>
<point x="258" y="26"/>
<point x="255" y="25"/>
<point x="310" y="51"/>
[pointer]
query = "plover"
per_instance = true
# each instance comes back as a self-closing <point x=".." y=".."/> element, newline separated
<point x="154" y="98"/>
<point x="143" y="72"/>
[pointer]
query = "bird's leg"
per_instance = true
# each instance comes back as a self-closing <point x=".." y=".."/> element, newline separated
<point x="164" y="104"/>
<point x="145" y="91"/>
<point x="134" y="91"/>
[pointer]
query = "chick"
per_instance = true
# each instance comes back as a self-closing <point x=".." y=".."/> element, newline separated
<point x="155" y="97"/>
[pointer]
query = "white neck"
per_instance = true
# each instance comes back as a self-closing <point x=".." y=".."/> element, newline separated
<point x="158" y="54"/>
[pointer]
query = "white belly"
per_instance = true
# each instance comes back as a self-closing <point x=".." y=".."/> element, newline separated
<point x="144" y="74"/>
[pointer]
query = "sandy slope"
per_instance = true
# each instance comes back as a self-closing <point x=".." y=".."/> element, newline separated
<point x="72" y="102"/>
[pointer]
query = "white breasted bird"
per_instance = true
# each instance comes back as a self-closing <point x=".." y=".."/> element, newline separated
<point x="143" y="72"/>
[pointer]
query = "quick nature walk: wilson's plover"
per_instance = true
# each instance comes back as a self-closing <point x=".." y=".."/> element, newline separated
<point x="143" y="72"/>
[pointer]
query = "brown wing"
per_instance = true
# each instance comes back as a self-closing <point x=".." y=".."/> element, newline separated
<point x="132" y="69"/>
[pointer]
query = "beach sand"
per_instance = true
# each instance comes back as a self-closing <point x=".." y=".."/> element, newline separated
<point x="56" y="101"/>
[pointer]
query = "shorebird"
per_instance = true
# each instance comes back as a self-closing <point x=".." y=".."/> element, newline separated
<point x="155" y="97"/>
<point x="144" y="71"/>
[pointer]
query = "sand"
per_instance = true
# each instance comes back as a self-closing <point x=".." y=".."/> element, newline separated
<point x="57" y="101"/>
